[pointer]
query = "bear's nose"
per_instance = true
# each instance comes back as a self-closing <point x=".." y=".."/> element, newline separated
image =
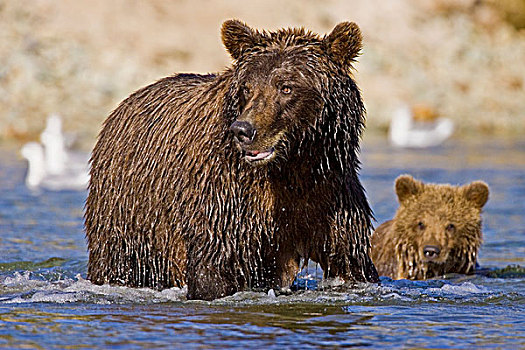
<point x="431" y="252"/>
<point x="243" y="131"/>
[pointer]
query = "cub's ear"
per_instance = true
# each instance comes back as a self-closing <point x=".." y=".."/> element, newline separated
<point x="344" y="43"/>
<point x="237" y="37"/>
<point x="476" y="192"/>
<point x="407" y="186"/>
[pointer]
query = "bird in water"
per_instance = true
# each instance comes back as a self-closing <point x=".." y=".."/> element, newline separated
<point x="418" y="127"/>
<point x="51" y="165"/>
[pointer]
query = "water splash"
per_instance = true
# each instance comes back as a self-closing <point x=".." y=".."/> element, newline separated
<point x="23" y="287"/>
<point x="40" y="287"/>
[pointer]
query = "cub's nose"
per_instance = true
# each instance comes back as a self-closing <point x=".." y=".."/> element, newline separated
<point x="431" y="252"/>
<point x="243" y="131"/>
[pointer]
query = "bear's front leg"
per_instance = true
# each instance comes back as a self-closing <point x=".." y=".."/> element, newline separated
<point x="287" y="268"/>
<point x="209" y="280"/>
<point x="208" y="283"/>
<point x="344" y="253"/>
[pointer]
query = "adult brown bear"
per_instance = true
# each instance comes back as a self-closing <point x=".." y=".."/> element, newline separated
<point x="224" y="182"/>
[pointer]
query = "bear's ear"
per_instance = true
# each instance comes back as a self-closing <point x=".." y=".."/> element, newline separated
<point x="407" y="186"/>
<point x="344" y="43"/>
<point x="476" y="192"/>
<point x="237" y="37"/>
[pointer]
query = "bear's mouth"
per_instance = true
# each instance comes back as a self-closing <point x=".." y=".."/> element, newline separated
<point x="258" y="156"/>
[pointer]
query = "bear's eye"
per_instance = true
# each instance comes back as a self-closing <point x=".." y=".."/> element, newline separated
<point x="421" y="226"/>
<point x="451" y="228"/>
<point x="245" y="90"/>
<point x="286" y="90"/>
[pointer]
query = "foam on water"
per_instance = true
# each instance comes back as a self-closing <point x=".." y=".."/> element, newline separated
<point x="23" y="288"/>
<point x="26" y="287"/>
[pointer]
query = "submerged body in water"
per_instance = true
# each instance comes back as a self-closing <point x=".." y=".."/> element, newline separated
<point x="436" y="230"/>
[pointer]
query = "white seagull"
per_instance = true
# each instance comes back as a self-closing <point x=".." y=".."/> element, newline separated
<point x="405" y="131"/>
<point x="52" y="166"/>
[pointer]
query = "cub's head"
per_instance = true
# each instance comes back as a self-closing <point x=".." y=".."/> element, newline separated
<point x="438" y="227"/>
<point x="281" y="83"/>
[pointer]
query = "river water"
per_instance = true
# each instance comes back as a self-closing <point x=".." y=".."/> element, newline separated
<point x="46" y="302"/>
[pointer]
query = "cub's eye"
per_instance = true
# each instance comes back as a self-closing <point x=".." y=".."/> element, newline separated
<point x="451" y="228"/>
<point x="245" y="91"/>
<point x="286" y="90"/>
<point x="421" y="226"/>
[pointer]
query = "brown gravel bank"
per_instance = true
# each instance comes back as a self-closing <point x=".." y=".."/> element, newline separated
<point x="464" y="59"/>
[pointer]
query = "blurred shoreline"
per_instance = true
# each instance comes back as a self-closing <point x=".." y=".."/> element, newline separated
<point x="462" y="59"/>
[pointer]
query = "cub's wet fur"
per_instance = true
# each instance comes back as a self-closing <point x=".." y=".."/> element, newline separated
<point x="436" y="230"/>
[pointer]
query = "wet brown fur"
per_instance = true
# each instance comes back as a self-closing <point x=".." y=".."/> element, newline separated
<point x="445" y="216"/>
<point x="173" y="200"/>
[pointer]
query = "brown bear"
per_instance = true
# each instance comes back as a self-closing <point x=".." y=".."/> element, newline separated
<point x="224" y="182"/>
<point x="436" y="230"/>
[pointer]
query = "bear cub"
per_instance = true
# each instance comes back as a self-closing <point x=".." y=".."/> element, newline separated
<point x="436" y="230"/>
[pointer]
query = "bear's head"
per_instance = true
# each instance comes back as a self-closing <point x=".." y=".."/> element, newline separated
<point x="437" y="227"/>
<point x="282" y="84"/>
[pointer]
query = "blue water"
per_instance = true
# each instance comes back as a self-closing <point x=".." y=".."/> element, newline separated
<point x="45" y="301"/>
